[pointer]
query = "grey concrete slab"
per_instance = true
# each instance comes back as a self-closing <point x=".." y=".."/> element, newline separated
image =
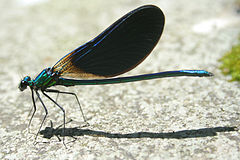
<point x="173" y="118"/>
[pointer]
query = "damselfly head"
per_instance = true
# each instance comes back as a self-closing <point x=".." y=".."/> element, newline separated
<point x="24" y="83"/>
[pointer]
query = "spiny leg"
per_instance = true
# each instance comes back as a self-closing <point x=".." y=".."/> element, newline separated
<point x="34" y="110"/>
<point x="64" y="122"/>
<point x="71" y="93"/>
<point x="33" y="105"/>
<point x="55" y="99"/>
<point x="46" y="113"/>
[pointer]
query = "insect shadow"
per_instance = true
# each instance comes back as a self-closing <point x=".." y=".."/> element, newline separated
<point x="49" y="132"/>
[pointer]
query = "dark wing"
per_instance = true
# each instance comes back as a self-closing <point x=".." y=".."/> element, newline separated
<point x="118" y="49"/>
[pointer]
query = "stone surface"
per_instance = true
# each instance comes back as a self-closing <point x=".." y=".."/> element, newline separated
<point x="173" y="118"/>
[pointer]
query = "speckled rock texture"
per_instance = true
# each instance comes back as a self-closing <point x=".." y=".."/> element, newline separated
<point x="171" y="118"/>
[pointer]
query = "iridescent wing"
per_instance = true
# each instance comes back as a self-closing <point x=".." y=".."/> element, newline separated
<point x="118" y="49"/>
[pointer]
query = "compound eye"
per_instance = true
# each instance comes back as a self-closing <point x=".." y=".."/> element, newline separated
<point x="22" y="86"/>
<point x="24" y="83"/>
